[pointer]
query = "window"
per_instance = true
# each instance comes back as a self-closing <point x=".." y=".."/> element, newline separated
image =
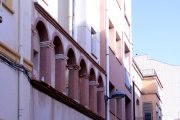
<point x="112" y="39"/>
<point x="8" y="5"/>
<point x="127" y="56"/>
<point x="118" y="47"/>
<point x="36" y="64"/>
<point x="147" y="116"/>
<point x="127" y="80"/>
<point x="36" y="55"/>
<point x="94" y="43"/>
<point x="147" y="110"/>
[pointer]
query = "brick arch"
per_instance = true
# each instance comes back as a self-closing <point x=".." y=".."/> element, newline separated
<point x="91" y="67"/>
<point x="59" y="67"/>
<point x="71" y="57"/>
<point x="80" y="60"/>
<point x="99" y="75"/>
<point x="58" y="45"/>
<point x="83" y="91"/>
<point x="92" y="75"/>
<point x="83" y="66"/>
<point x="100" y="96"/>
<point x="43" y="23"/>
<point x="72" y="85"/>
<point x="100" y="82"/>
<point x="67" y="50"/>
<point x="92" y="90"/>
<point x="41" y="47"/>
<point x="57" y="36"/>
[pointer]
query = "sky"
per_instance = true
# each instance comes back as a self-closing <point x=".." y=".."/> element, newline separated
<point x="156" y="29"/>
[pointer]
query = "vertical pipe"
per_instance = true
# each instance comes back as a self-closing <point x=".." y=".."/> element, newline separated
<point x="134" y="101"/>
<point x="70" y="16"/>
<point x="73" y="19"/>
<point x="20" y="51"/>
<point x="107" y="56"/>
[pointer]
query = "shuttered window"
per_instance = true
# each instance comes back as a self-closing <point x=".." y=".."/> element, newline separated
<point x="147" y="110"/>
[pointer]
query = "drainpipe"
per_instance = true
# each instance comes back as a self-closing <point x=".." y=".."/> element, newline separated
<point x="20" y="51"/>
<point x="107" y="56"/>
<point x="71" y="18"/>
<point x="134" y="101"/>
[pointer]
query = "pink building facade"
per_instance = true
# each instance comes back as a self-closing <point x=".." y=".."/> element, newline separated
<point x="54" y="59"/>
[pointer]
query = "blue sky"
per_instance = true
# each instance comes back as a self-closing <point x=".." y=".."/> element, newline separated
<point x="156" y="29"/>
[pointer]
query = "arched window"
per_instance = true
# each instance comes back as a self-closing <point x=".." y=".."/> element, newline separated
<point x="41" y="53"/>
<point x="92" y="91"/>
<point x="113" y="102"/>
<point x="83" y="84"/>
<point x="71" y="76"/>
<point x="58" y="69"/>
<point x="100" y="97"/>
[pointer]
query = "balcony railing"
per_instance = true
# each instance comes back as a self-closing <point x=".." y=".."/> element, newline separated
<point x="148" y="72"/>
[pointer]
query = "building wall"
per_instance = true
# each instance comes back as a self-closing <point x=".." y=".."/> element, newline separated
<point x="79" y="55"/>
<point x="33" y="31"/>
<point x="138" y="97"/>
<point x="168" y="74"/>
<point x="46" y="108"/>
<point x="119" y="59"/>
<point x="8" y="93"/>
<point x="15" y="45"/>
<point x="147" y="90"/>
<point x="138" y="104"/>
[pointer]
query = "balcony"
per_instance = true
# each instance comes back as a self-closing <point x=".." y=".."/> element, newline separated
<point x="148" y="72"/>
<point x="151" y="82"/>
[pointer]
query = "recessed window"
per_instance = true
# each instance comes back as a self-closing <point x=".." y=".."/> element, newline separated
<point x="93" y="43"/>
<point x="36" y="64"/>
<point x="118" y="47"/>
<point x="112" y="39"/>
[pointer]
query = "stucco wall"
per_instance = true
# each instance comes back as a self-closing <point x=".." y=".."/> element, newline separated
<point x="46" y="108"/>
<point x="8" y="93"/>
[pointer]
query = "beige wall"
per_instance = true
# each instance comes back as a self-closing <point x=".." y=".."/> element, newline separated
<point x="169" y="76"/>
<point x="146" y="89"/>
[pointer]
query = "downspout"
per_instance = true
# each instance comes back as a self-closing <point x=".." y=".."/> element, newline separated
<point x="20" y="51"/>
<point x="107" y="56"/>
<point x="73" y="20"/>
<point x="70" y="17"/>
<point x="134" y="101"/>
